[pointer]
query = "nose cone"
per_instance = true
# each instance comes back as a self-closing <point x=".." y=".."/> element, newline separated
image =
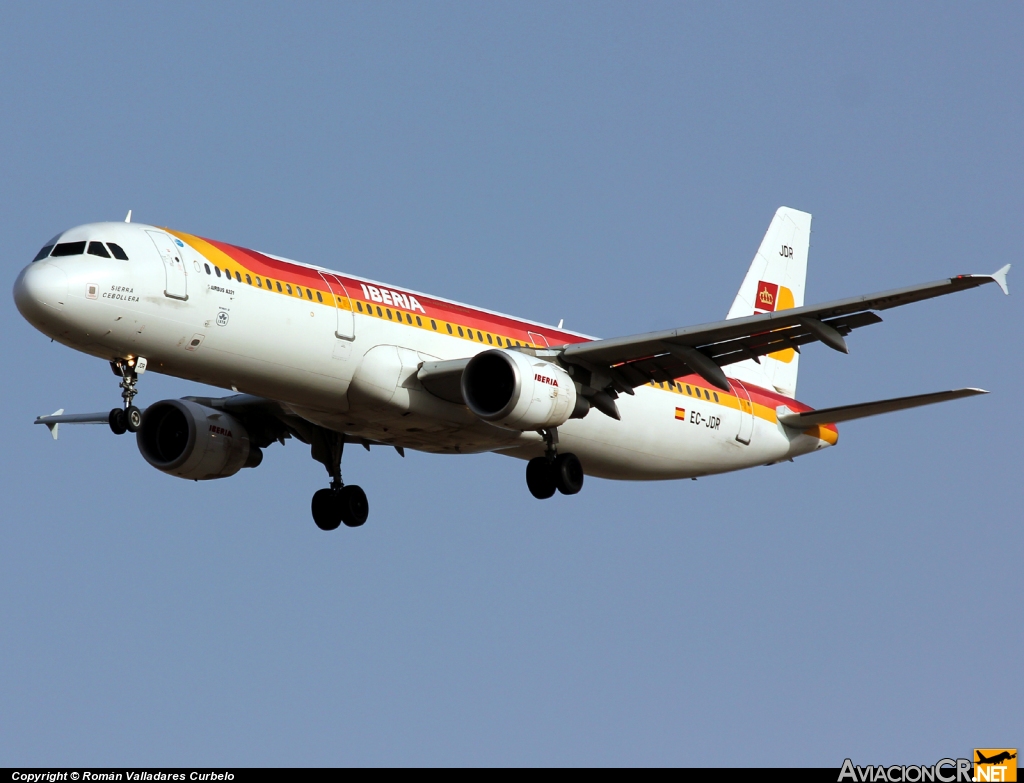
<point x="41" y="291"/>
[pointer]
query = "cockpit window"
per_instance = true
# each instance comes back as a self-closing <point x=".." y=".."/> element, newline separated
<point x="97" y="249"/>
<point x="69" y="249"/>
<point x="117" y="251"/>
<point x="43" y="253"/>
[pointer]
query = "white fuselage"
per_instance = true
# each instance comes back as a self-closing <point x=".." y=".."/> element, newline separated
<point x="335" y="365"/>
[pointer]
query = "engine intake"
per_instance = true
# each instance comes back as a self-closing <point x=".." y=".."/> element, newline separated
<point x="521" y="392"/>
<point x="189" y="440"/>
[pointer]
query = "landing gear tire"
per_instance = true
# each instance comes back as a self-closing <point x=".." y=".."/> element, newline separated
<point x="118" y="421"/>
<point x="133" y="418"/>
<point x="355" y="508"/>
<point x="540" y="478"/>
<point x="568" y="474"/>
<point x="326" y="509"/>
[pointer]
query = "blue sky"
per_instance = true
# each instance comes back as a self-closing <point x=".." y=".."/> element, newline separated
<point x="612" y="165"/>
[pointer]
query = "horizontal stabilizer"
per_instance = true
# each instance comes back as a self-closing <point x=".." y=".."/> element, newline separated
<point x="864" y="409"/>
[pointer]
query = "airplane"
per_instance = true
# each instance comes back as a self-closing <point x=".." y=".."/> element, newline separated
<point x="330" y="359"/>
<point x="999" y="758"/>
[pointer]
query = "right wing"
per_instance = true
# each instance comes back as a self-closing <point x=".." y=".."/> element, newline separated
<point x="265" y="420"/>
<point x="59" y="417"/>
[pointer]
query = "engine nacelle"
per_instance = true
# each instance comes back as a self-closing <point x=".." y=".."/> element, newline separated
<point x="518" y="391"/>
<point x="191" y="441"/>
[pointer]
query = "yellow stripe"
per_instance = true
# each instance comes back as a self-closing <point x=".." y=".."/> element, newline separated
<point x="221" y="259"/>
<point x="729" y="400"/>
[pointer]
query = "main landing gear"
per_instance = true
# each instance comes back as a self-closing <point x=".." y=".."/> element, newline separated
<point x="339" y="503"/>
<point x="129" y="418"/>
<point x="553" y="471"/>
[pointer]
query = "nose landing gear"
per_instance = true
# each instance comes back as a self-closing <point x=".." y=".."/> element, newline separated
<point x="338" y="504"/>
<point x="553" y="471"/>
<point x="129" y="418"/>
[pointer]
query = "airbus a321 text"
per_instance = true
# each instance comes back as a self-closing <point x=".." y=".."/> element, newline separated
<point x="330" y="358"/>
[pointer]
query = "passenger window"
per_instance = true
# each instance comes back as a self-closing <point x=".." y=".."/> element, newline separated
<point x="259" y="282"/>
<point x="279" y="288"/>
<point x="716" y="396"/>
<point x="518" y="345"/>
<point x="489" y="342"/>
<point x="418" y="321"/>
<point x="207" y="268"/>
<point x="69" y="249"/>
<point x="479" y="336"/>
<point x="461" y="334"/>
<point x="43" y="253"/>
<point x="449" y="328"/>
<point x="389" y="315"/>
<point x="706" y="395"/>
<point x="433" y="325"/>
<point x="380" y="313"/>
<point x="470" y="334"/>
<point x="359" y="306"/>
<point x="319" y="298"/>
<point x="408" y="318"/>
<point x="288" y="288"/>
<point x="238" y="276"/>
<point x="97" y="249"/>
<point x="688" y="391"/>
<point x="248" y="279"/>
<point x="216" y="271"/>
<point x="117" y="251"/>
<point x="309" y="295"/>
<point x="508" y="343"/>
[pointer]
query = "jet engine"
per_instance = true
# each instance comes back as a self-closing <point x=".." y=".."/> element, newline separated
<point x="518" y="391"/>
<point x="191" y="441"/>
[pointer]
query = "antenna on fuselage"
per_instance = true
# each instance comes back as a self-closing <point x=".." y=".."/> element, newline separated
<point x="128" y="217"/>
<point x="560" y="322"/>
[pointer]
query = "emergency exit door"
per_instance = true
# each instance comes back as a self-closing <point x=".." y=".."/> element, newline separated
<point x="345" y="329"/>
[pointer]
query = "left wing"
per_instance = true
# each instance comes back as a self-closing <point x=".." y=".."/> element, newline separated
<point x="623" y="363"/>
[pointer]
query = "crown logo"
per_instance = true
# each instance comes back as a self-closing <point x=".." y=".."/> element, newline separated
<point x="766" y="297"/>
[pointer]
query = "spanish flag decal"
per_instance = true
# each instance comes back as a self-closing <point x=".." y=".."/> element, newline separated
<point x="681" y="414"/>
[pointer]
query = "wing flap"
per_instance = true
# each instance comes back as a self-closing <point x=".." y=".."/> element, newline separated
<point x="444" y="378"/>
<point x="865" y="409"/>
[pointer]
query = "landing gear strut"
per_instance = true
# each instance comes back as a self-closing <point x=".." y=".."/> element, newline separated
<point x="339" y="503"/>
<point x="553" y="471"/>
<point x="129" y="418"/>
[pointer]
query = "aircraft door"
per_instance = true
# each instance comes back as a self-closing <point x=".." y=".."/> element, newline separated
<point x="746" y="411"/>
<point x="174" y="268"/>
<point x="346" y="329"/>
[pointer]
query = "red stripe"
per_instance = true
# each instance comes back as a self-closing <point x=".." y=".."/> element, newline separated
<point x="467" y="317"/>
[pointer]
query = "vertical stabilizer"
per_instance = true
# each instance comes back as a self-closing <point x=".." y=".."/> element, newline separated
<point x="775" y="281"/>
